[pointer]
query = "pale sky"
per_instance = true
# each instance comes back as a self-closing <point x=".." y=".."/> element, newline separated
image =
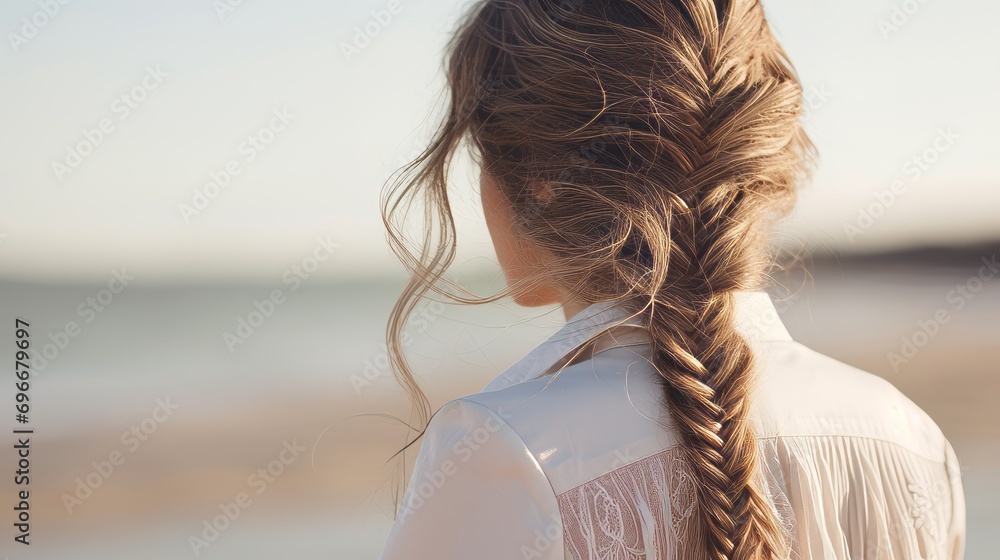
<point x="880" y="98"/>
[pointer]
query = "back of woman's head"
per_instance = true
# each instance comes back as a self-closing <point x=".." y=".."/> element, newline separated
<point x="646" y="145"/>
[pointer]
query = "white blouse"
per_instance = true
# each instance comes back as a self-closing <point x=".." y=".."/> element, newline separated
<point x="583" y="463"/>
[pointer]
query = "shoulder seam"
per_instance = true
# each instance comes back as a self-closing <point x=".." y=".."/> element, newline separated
<point x="499" y="416"/>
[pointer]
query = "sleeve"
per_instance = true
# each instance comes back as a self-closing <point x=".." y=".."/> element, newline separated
<point x="956" y="528"/>
<point x="476" y="492"/>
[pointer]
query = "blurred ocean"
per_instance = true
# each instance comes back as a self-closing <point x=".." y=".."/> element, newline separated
<point x="312" y="376"/>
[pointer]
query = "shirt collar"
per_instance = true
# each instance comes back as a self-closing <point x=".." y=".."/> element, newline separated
<point x="756" y="319"/>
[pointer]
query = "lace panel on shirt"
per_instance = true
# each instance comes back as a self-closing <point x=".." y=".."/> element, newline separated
<point x="645" y="510"/>
<point x="855" y="497"/>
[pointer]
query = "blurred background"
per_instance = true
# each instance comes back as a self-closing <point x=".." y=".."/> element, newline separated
<point x="189" y="220"/>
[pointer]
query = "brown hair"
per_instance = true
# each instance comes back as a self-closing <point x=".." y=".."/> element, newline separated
<point x="667" y="135"/>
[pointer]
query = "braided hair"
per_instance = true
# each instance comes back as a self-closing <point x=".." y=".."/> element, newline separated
<point x="667" y="137"/>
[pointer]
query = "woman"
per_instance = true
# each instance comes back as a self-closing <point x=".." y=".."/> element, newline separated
<point x="634" y="155"/>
